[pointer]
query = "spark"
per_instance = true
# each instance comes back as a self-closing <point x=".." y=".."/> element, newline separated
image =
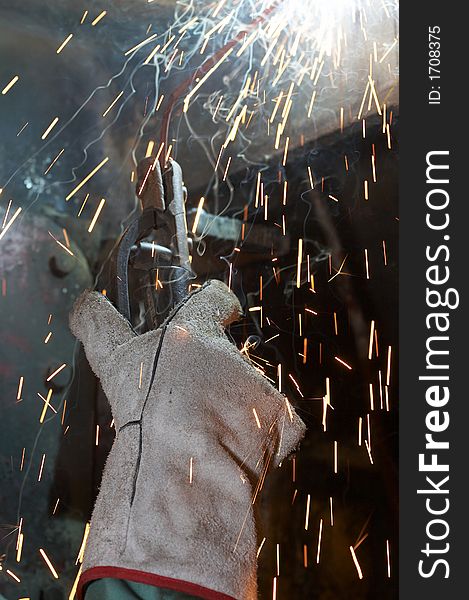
<point x="385" y="258"/>
<point x="188" y="25"/>
<point x="289" y="410"/>
<point x="370" y="347"/>
<point x="64" y="43"/>
<point x="168" y="43"/>
<point x="54" y="161"/>
<point x="380" y="386"/>
<point x="260" y="548"/>
<point x="285" y="153"/>
<point x="226" y="168"/>
<point x="305" y="556"/>
<point x="357" y="566"/>
<point x="318" y="73"/>
<point x="197" y="215"/>
<point x="73" y="591"/>
<point x="10" y="222"/>
<point x="99" y="17"/>
<point x="369" y="451"/>
<point x="372" y="403"/>
<point x="151" y="55"/>
<point x="363" y="100"/>
<point x="361" y="539"/>
<point x="278" y="560"/>
<point x="274" y="589"/>
<point x="388" y="560"/>
<point x="295" y="384"/>
<point x="46" y="405"/>
<point x="336" y="457"/>
<point x="257" y="418"/>
<point x="20" y="388"/>
<point x="84" y="540"/>
<point x="360" y="430"/>
<point x="218" y="8"/>
<point x="50" y="128"/>
<point x="140" y="376"/>
<point x="319" y="542"/>
<point x="24" y="127"/>
<point x="41" y="468"/>
<point x="373" y="167"/>
<point x="339" y="272"/>
<point x="368" y="429"/>
<point x="87" y="178"/>
<point x="149" y="151"/>
<point x="83" y="205"/>
<point x="159" y="102"/>
<point x="204" y="79"/>
<point x="331" y="511"/>
<point x="96" y="442"/>
<point x="308" y="503"/>
<point x="113" y="103"/>
<point x="311" y="180"/>
<point x="388" y="50"/>
<point x="48" y="563"/>
<point x="388" y="372"/>
<point x="168" y="153"/>
<point x="342" y="362"/>
<point x="140" y="44"/>
<point x="191" y="470"/>
<point x="277" y="104"/>
<point x="19" y="548"/>
<point x="56" y="372"/>
<point x="15" y="577"/>
<point x="9" y="85"/>
<point x="374" y="95"/>
<point x="96" y="215"/>
<point x="367" y="265"/>
<point x="249" y="40"/>
<point x="7" y="212"/>
<point x="61" y="245"/>
<point x="310" y="108"/>
<point x="326" y="401"/>
<point x="300" y="259"/>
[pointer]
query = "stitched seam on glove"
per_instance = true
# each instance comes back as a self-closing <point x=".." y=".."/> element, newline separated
<point x="140" y="420"/>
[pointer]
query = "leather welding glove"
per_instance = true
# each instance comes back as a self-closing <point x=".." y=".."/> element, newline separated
<point x="197" y="428"/>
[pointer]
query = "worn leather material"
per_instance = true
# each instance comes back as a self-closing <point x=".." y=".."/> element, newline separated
<point x="178" y="486"/>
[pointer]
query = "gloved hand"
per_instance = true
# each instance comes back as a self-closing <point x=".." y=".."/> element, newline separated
<point x="175" y="505"/>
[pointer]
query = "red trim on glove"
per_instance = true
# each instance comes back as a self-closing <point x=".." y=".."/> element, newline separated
<point x="150" y="579"/>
